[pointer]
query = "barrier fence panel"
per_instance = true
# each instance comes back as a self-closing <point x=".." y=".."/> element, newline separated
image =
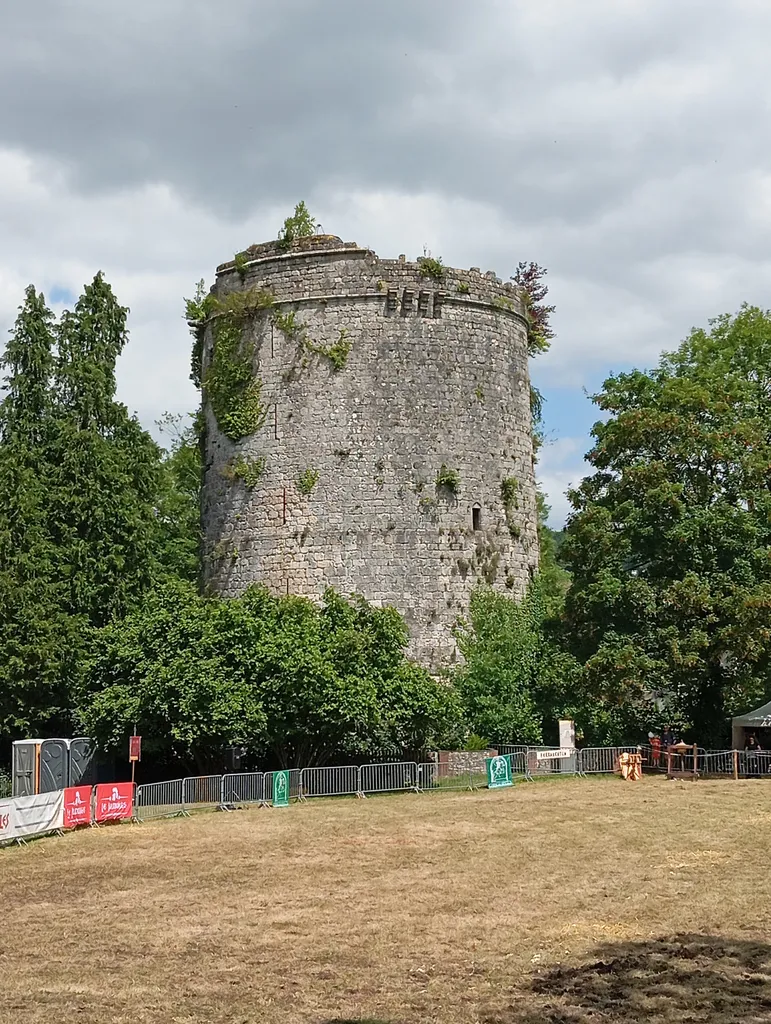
<point x="201" y="791"/>
<point x="81" y="805"/>
<point x="601" y="760"/>
<point x="294" y="785"/>
<point x="242" y="788"/>
<point x="337" y="781"/>
<point x="429" y="779"/>
<point x="754" y="766"/>
<point x="512" y="748"/>
<point x="159" y="800"/>
<point x="389" y="777"/>
<point x="519" y="764"/>
<point x="719" y="762"/>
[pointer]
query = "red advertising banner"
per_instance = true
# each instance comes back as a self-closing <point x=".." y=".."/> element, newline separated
<point x="114" y="801"/>
<point x="135" y="748"/>
<point x="77" y="806"/>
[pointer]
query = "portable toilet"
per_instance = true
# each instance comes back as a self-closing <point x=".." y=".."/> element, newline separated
<point x="54" y="761"/>
<point x="25" y="767"/>
<point x="82" y="765"/>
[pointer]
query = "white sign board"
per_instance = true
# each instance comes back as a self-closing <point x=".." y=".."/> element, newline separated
<point x="31" y="815"/>
<point x="553" y="755"/>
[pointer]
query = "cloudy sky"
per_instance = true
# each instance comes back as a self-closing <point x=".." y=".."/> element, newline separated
<point x="623" y="144"/>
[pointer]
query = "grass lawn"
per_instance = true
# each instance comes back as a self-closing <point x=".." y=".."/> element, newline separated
<point x="577" y="901"/>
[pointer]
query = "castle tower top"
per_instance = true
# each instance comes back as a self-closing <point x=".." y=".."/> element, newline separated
<point x="389" y="452"/>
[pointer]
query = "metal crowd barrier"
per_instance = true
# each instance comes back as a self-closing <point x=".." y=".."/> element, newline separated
<point x="240" y="788"/>
<point x="337" y="781"/>
<point x="160" y="800"/>
<point x="516" y="748"/>
<point x="754" y="766"/>
<point x="720" y="762"/>
<point x="519" y="765"/>
<point x="430" y="781"/>
<point x="601" y="760"/>
<point x="396" y="776"/>
<point x="200" y="791"/>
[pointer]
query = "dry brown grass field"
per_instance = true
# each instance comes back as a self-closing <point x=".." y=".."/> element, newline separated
<point x="569" y="901"/>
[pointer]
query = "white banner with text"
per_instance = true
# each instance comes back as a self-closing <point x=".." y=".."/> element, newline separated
<point x="27" y="816"/>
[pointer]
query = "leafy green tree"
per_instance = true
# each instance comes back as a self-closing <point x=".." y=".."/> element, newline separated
<point x="335" y="680"/>
<point x="281" y="676"/>
<point x="517" y="680"/>
<point x="173" y="668"/>
<point x="299" y="225"/>
<point x="670" y="542"/>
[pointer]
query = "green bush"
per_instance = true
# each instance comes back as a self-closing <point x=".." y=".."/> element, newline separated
<point x="307" y="480"/>
<point x="279" y="675"/>
<point x="447" y="479"/>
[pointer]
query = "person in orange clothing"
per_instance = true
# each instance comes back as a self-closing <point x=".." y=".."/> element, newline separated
<point x="655" y="750"/>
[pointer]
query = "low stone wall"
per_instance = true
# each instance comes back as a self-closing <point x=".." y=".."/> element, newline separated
<point x="460" y="762"/>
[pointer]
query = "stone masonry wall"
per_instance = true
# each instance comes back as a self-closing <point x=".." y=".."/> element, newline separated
<point x="451" y="763"/>
<point x="437" y="373"/>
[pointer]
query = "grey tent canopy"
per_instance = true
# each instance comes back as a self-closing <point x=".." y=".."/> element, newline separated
<point x="760" y="718"/>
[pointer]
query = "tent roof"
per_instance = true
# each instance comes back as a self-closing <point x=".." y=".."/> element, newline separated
<point x="759" y="717"/>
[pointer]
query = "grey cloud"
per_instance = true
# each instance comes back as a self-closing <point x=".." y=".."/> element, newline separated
<point x="624" y="146"/>
<point x="249" y="102"/>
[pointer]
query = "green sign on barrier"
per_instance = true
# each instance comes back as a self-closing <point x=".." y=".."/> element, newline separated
<point x="281" y="789"/>
<point x="498" y="771"/>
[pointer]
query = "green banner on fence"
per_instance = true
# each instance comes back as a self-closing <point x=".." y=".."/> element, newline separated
<point x="280" y="789"/>
<point x="498" y="771"/>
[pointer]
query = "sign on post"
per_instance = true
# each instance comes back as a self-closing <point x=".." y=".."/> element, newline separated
<point x="498" y="771"/>
<point x="281" y="789"/>
<point x="554" y="755"/>
<point x="135" y="748"/>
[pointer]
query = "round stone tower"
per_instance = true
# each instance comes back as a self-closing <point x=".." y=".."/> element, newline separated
<point x="367" y="428"/>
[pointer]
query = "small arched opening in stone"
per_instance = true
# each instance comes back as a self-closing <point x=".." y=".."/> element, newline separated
<point x="476" y="517"/>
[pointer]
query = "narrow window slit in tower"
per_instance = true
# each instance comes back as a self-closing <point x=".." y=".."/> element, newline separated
<point x="423" y="298"/>
<point x="476" y="517"/>
<point x="407" y="297"/>
<point x="275" y="421"/>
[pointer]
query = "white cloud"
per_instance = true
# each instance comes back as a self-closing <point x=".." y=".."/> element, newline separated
<point x="561" y="466"/>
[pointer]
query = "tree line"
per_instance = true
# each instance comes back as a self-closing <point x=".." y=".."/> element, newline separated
<point x="652" y="607"/>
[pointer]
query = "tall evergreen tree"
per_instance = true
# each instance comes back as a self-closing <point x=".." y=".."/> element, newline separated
<point x="107" y="468"/>
<point x="35" y="635"/>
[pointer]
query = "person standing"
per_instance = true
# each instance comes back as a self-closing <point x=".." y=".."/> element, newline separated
<point x="655" y="742"/>
<point x="753" y="748"/>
